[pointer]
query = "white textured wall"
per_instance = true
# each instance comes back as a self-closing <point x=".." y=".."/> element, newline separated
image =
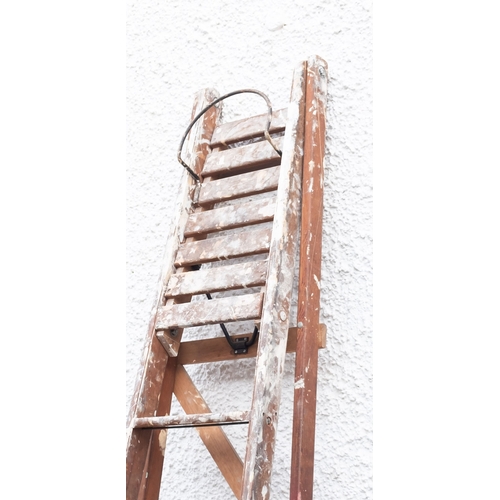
<point x="174" y="48"/>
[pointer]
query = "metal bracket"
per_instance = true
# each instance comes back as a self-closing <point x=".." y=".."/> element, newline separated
<point x="214" y="103"/>
<point x="239" y="345"/>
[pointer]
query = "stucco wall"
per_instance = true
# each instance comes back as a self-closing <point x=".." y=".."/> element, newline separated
<point x="175" y="48"/>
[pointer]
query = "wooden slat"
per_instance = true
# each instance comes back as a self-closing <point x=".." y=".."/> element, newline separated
<point x="144" y="447"/>
<point x="218" y="349"/>
<point x="242" y="159"/>
<point x="224" y="247"/>
<point x="210" y="312"/>
<point x="245" y="275"/>
<point x="248" y="128"/>
<point x="231" y="217"/>
<point x="238" y="186"/>
<point x="214" y="438"/>
<point x="306" y="361"/>
<point x="192" y="420"/>
<point x="276" y="306"/>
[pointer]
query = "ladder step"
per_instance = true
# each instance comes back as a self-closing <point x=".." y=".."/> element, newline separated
<point x="248" y="274"/>
<point x="210" y="312"/>
<point x="220" y="219"/>
<point x="242" y="159"/>
<point x="238" y="186"/>
<point x="248" y="128"/>
<point x="224" y="247"/>
<point x="195" y="420"/>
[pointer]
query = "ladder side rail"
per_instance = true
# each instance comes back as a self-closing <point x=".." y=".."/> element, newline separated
<point x="152" y="472"/>
<point x="308" y="313"/>
<point x="276" y="307"/>
<point x="153" y="392"/>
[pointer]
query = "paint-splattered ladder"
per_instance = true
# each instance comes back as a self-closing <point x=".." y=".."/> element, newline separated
<point x="233" y="241"/>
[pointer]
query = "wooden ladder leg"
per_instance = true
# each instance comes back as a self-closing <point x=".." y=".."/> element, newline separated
<point x="276" y="307"/>
<point x="306" y="361"/>
<point x="152" y="395"/>
<point x="150" y="488"/>
<point x="147" y="446"/>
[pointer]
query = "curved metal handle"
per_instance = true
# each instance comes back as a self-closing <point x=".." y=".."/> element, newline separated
<point x="205" y="109"/>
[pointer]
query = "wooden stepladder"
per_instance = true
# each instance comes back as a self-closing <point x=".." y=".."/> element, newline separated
<point x="238" y="227"/>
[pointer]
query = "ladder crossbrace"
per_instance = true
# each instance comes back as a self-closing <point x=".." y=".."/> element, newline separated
<point x="195" y="420"/>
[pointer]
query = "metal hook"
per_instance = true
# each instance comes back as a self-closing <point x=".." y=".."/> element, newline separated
<point x="204" y="110"/>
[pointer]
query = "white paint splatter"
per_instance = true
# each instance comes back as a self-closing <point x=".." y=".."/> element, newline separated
<point x="162" y="441"/>
<point x="318" y="284"/>
<point x="299" y="384"/>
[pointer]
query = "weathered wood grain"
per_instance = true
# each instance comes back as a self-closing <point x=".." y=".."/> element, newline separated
<point x="168" y="340"/>
<point x="230" y="246"/>
<point x="210" y="312"/>
<point x="157" y="444"/>
<point x="214" y="438"/>
<point x="193" y="420"/>
<point x="231" y="217"/>
<point x="218" y="349"/>
<point x="245" y="275"/>
<point x="276" y="306"/>
<point x="143" y="465"/>
<point x="306" y="360"/>
<point x="239" y="186"/>
<point x="242" y="159"/>
<point x="248" y="128"/>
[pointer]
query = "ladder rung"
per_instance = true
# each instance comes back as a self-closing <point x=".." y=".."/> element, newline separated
<point x="195" y="420"/>
<point x="238" y="186"/>
<point x="220" y="219"/>
<point x="210" y="312"/>
<point x="248" y="128"/>
<point x="242" y="159"/>
<point x="246" y="275"/>
<point x="224" y="247"/>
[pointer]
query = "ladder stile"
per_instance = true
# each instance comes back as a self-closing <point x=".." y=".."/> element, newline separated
<point x="144" y="458"/>
<point x="309" y="290"/>
<point x="276" y="307"/>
